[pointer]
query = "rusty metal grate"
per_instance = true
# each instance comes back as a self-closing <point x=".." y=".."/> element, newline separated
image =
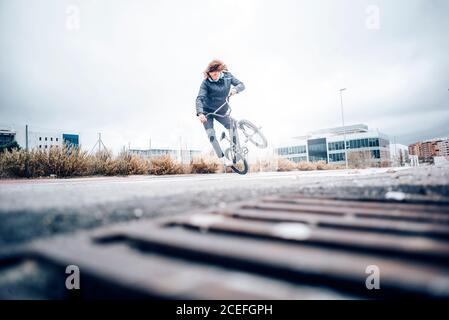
<point x="290" y="247"/>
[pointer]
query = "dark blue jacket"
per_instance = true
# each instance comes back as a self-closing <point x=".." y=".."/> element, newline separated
<point x="213" y="94"/>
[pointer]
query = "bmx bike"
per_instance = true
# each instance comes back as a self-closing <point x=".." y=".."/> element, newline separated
<point x="237" y="152"/>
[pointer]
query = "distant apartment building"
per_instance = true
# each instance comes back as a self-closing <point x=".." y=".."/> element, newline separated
<point x="443" y="148"/>
<point x="413" y="150"/>
<point x="181" y="155"/>
<point x="328" y="145"/>
<point x="37" y="139"/>
<point x="427" y="150"/>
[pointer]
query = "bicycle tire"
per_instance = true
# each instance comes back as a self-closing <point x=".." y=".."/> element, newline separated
<point x="262" y="143"/>
<point x="240" y="157"/>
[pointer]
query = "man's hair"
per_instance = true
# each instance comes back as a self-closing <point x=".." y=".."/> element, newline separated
<point x="214" y="65"/>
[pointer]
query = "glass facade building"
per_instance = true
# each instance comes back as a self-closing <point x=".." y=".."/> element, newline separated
<point x="328" y="145"/>
<point x="317" y="149"/>
<point x="6" y="136"/>
<point x="70" y="139"/>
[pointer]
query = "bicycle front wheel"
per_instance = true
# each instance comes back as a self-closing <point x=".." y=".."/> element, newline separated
<point x="240" y="164"/>
<point x="252" y="133"/>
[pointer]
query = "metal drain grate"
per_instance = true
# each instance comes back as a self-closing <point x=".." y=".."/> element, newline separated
<point x="274" y="248"/>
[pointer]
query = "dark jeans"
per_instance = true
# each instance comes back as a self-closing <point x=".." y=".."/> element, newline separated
<point x="209" y="127"/>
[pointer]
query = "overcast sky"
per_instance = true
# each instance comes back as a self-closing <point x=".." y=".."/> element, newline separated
<point x="132" y="69"/>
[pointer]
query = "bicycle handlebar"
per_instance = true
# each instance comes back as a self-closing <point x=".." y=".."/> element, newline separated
<point x="221" y="115"/>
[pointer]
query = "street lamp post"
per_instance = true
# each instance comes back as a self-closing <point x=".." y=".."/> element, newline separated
<point x="344" y="129"/>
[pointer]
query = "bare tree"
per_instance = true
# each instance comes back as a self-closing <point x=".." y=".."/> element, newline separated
<point x="401" y="158"/>
<point x="360" y="159"/>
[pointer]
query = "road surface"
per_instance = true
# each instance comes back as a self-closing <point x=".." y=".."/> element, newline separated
<point x="31" y="209"/>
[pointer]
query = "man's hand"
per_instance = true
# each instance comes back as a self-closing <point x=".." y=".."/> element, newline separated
<point x="232" y="92"/>
<point x="202" y="118"/>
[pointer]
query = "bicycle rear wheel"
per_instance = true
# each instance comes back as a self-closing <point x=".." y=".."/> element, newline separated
<point x="240" y="164"/>
<point x="253" y="134"/>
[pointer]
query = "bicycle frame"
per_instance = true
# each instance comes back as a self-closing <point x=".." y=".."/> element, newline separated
<point x="233" y="131"/>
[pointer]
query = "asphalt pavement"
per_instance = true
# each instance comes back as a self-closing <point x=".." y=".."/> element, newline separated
<point x="38" y="208"/>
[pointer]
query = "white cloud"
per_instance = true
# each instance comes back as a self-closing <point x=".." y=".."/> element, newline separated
<point x="133" y="69"/>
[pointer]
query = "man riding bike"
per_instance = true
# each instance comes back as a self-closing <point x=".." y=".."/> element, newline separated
<point x="217" y="85"/>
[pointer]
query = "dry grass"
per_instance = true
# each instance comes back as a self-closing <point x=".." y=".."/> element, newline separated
<point x="70" y="162"/>
<point x="12" y="163"/>
<point x="59" y="161"/>
<point x="282" y="164"/>
<point x="127" y="164"/>
<point x="267" y="164"/>
<point x="285" y="165"/>
<point x="306" y="166"/>
<point x="163" y="165"/>
<point x="331" y="166"/>
<point x="321" y="165"/>
<point x="205" y="164"/>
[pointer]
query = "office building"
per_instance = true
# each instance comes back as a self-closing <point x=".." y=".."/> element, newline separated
<point x="362" y="144"/>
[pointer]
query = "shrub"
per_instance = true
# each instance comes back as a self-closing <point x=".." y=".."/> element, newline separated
<point x="12" y="163"/>
<point x="138" y="165"/>
<point x="359" y="159"/>
<point x="165" y="165"/>
<point x="9" y="146"/>
<point x="285" y="165"/>
<point x="102" y="163"/>
<point x="71" y="161"/>
<point x="128" y="164"/>
<point x="268" y="164"/>
<point x="321" y="165"/>
<point x="63" y="161"/>
<point x="306" y="166"/>
<point x="203" y="165"/>
<point x="333" y="166"/>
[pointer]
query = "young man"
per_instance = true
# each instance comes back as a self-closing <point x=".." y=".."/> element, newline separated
<point x="217" y="85"/>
